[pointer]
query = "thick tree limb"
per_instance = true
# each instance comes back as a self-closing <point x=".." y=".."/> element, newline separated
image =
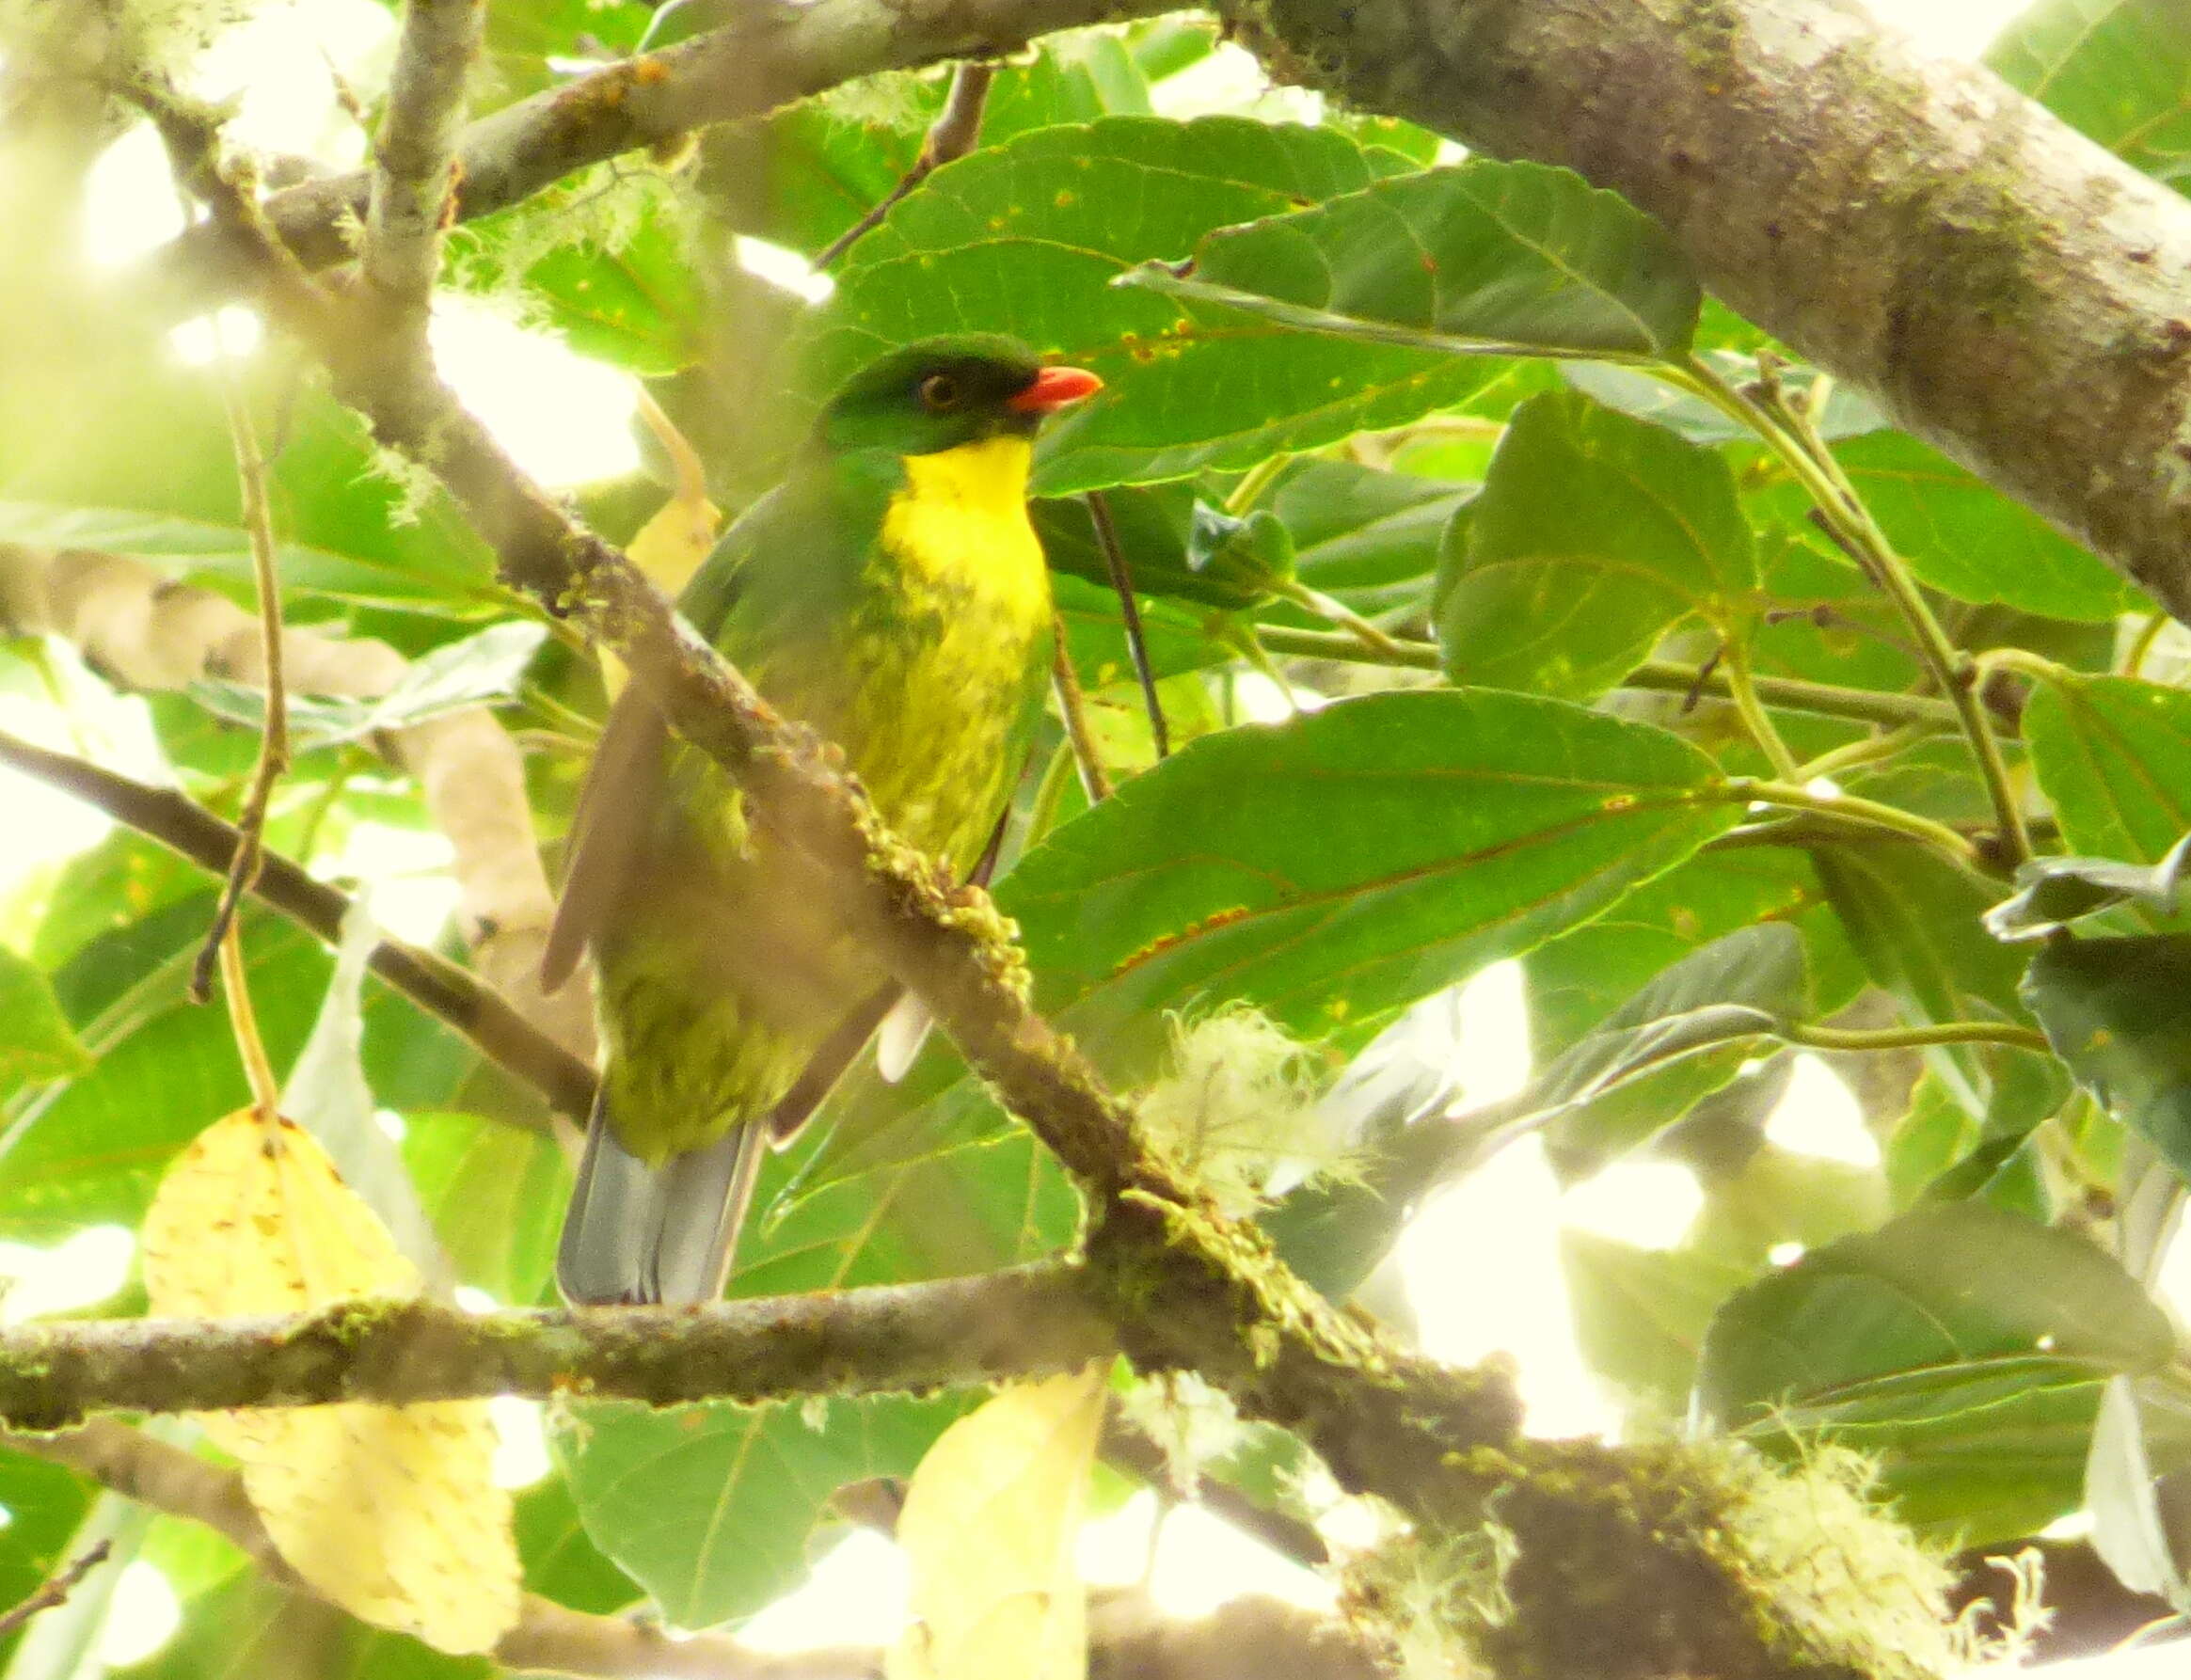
<point x="1035" y="1321"/>
<point x="2010" y="291"/>
<point x="548" y="1636"/>
<point x="769" y="55"/>
<point x="433" y="982"/>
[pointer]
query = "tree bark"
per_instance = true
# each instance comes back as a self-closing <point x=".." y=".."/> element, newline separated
<point x="2009" y="291"/>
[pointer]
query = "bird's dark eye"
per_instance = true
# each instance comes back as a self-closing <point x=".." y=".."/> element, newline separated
<point x="940" y="391"/>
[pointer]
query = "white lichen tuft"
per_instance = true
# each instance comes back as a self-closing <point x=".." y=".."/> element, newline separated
<point x="1195" y="1424"/>
<point x="1425" y="1600"/>
<point x="1848" y="1583"/>
<point x="1241" y="1109"/>
<point x="413" y="482"/>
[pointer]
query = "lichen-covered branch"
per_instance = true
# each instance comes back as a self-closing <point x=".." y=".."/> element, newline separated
<point x="413" y="155"/>
<point x="1033" y="1322"/>
<point x="767" y="55"/>
<point x="434" y="983"/>
<point x="149" y="632"/>
<point x="2010" y="291"/>
<point x="548" y="1635"/>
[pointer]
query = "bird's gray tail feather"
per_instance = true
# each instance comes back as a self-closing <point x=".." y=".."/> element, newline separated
<point x="638" y="1233"/>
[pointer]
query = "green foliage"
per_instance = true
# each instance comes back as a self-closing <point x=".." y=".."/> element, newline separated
<point x="1454" y="551"/>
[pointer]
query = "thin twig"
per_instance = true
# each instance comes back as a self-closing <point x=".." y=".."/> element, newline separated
<point x="1789" y="431"/>
<point x="415" y="155"/>
<point x="949" y="137"/>
<point x="438" y="986"/>
<point x="273" y="734"/>
<point x="1099" y="514"/>
<point x="1073" y="708"/>
<point x="55" y="1588"/>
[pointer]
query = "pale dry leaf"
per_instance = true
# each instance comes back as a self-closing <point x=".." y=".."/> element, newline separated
<point x="990" y="1527"/>
<point x="390" y="1512"/>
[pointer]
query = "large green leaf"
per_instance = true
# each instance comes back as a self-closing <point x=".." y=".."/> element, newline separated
<point x="1641" y="1314"/>
<point x="1027" y="237"/>
<point x="494" y="1193"/>
<point x="2118" y="1011"/>
<point x="1487" y="255"/>
<point x="2116" y="71"/>
<point x="1594" y="534"/>
<point x="1329" y="871"/>
<point x="1581" y="978"/>
<point x="2113" y="757"/>
<point x="1371" y="539"/>
<point x="1916" y="923"/>
<point x="1964" y="1345"/>
<point x="709" y="1507"/>
<point x="1966" y="539"/>
<point x="36" y="1040"/>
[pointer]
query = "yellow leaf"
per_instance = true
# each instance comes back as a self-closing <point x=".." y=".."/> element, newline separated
<point x="390" y="1512"/>
<point x="990" y="1527"/>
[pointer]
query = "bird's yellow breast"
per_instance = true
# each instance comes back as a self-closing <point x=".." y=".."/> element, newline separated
<point x="944" y="686"/>
<point x="961" y="523"/>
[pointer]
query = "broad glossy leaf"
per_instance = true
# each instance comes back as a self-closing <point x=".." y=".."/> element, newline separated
<point x="1916" y="923"/>
<point x="495" y="1192"/>
<point x="2118" y="1011"/>
<point x="453" y="677"/>
<point x="36" y="1041"/>
<point x="1678" y="1039"/>
<point x="1641" y="1314"/>
<point x="1026" y="238"/>
<point x="1579" y="979"/>
<point x="2113" y="757"/>
<point x="92" y="1148"/>
<point x="709" y="1507"/>
<point x="2117" y="71"/>
<point x="1593" y="535"/>
<point x="2053" y="891"/>
<point x="1964" y="1345"/>
<point x="1369" y="538"/>
<point x="1635" y="390"/>
<point x="1965" y="538"/>
<point x="1333" y="870"/>
<point x="1485" y="255"/>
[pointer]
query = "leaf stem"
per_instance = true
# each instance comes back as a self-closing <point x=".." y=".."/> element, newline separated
<point x="1073" y="708"/>
<point x="1339" y="613"/>
<point x="1665" y="676"/>
<point x="1742" y="691"/>
<point x="1913" y="1037"/>
<point x="1870" y="813"/>
<point x="1790" y="434"/>
<point x="1254" y="481"/>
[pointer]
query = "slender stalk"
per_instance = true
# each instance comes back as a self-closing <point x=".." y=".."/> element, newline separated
<point x="952" y="137"/>
<point x="274" y="735"/>
<point x="244" y="1023"/>
<point x="1742" y="691"/>
<point x="2149" y="633"/>
<point x="1913" y="1037"/>
<point x="1870" y="750"/>
<point x="1339" y="613"/>
<point x="1073" y="708"/>
<point x="1663" y="677"/>
<point x="1254" y="481"/>
<point x="1869" y="813"/>
<point x="1791" y="436"/>
<point x="1099" y="516"/>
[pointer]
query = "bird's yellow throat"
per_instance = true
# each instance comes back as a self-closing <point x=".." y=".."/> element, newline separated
<point x="962" y="518"/>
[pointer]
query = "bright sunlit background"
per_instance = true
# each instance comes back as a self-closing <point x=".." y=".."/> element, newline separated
<point x="569" y="420"/>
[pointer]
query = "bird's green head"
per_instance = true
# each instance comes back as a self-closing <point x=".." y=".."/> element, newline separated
<point x="940" y="393"/>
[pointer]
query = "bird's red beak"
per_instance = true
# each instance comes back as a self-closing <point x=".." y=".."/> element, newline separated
<point x="1052" y="388"/>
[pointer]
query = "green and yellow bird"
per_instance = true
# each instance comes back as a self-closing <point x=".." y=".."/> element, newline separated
<point x="891" y="593"/>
